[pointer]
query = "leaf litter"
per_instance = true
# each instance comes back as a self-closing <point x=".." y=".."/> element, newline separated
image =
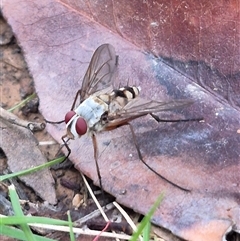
<point x="201" y="156"/>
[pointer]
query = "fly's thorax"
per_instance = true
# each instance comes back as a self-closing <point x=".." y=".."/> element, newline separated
<point x="92" y="110"/>
<point x="121" y="96"/>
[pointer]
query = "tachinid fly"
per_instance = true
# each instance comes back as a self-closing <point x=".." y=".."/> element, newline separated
<point x="104" y="108"/>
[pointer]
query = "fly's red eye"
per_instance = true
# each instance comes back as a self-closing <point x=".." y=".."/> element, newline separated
<point x="69" y="115"/>
<point x="81" y="126"/>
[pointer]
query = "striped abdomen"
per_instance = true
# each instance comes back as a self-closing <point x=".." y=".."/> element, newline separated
<point x="120" y="97"/>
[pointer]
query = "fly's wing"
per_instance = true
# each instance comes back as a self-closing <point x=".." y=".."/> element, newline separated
<point x="100" y="71"/>
<point x="139" y="107"/>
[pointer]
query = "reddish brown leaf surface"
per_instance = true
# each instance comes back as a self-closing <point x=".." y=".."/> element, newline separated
<point x="198" y="58"/>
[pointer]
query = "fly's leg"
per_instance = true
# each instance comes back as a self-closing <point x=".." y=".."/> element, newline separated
<point x="75" y="99"/>
<point x="73" y="105"/>
<point x="65" y="144"/>
<point x="184" y="120"/>
<point x="94" y="140"/>
<point x="54" y="122"/>
<point x="141" y="159"/>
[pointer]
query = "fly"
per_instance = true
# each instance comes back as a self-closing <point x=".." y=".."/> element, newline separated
<point x="103" y="108"/>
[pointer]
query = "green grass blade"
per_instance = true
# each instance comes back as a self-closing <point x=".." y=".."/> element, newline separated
<point x="17" y="220"/>
<point x="72" y="238"/>
<point x="30" y="170"/>
<point x="22" y="103"/>
<point x="18" y="212"/>
<point x="146" y="219"/>
<point x="19" y="234"/>
<point x="146" y="231"/>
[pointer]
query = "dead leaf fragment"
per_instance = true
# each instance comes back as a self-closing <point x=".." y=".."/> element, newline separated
<point x="21" y="149"/>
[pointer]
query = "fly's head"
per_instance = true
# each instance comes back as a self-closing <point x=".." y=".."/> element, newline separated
<point x="75" y="124"/>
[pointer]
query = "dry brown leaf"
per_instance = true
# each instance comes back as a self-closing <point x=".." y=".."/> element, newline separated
<point x="21" y="149"/>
